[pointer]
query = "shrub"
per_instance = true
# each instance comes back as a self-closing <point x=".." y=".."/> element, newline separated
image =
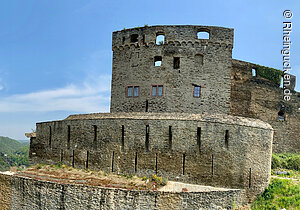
<point x="286" y="161"/>
<point x="271" y="74"/>
<point x="276" y="161"/>
<point x="294" y="162"/>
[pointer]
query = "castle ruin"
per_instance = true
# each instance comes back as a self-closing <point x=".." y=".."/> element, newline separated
<point x="181" y="108"/>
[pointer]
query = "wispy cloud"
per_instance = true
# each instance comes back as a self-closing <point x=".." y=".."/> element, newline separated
<point x="92" y="95"/>
<point x="1" y="85"/>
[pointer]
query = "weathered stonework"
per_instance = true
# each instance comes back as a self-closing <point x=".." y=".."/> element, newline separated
<point x="260" y="98"/>
<point x="133" y="64"/>
<point x="216" y="150"/>
<point x="32" y="194"/>
<point x="177" y="135"/>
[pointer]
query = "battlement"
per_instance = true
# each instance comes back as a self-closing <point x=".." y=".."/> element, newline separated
<point x="177" y="35"/>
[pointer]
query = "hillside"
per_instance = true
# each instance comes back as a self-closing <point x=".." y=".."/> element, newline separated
<point x="25" y="142"/>
<point x="12" y="153"/>
<point x="8" y="145"/>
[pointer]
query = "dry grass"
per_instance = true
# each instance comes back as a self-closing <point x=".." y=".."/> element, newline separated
<point x="65" y="174"/>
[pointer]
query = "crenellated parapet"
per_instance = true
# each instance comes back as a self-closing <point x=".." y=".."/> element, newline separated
<point x="179" y="35"/>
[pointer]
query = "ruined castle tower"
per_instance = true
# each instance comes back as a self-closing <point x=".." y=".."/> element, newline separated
<point x="172" y="69"/>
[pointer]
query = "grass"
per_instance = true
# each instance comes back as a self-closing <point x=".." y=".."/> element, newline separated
<point x="290" y="173"/>
<point x="64" y="174"/>
<point x="281" y="193"/>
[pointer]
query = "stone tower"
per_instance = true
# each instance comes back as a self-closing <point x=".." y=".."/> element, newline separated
<point x="163" y="80"/>
<point x="172" y="69"/>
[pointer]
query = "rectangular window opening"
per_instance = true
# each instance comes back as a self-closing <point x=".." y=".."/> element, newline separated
<point x="197" y="91"/>
<point x="249" y="177"/>
<point x="136" y="91"/>
<point x="176" y="63"/>
<point x="129" y="91"/>
<point x="73" y="159"/>
<point x="69" y="137"/>
<point x="157" y="90"/>
<point x="183" y="164"/>
<point x="226" y="138"/>
<point x="254" y="72"/>
<point x="155" y="163"/>
<point x="50" y="136"/>
<point x="147" y="138"/>
<point x="61" y="155"/>
<point x="157" y="61"/>
<point x="87" y="160"/>
<point x="134" y="38"/>
<point x="160" y="90"/>
<point x="133" y="91"/>
<point x="135" y="162"/>
<point x="95" y="133"/>
<point x="170" y="137"/>
<point x="199" y="138"/>
<point x="147" y="105"/>
<point x="212" y="164"/>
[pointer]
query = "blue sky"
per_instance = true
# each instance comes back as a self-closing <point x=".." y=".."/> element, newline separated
<point x="56" y="58"/>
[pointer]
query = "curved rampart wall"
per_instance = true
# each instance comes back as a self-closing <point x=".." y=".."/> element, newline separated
<point x="22" y="193"/>
<point x="221" y="150"/>
<point x="203" y="62"/>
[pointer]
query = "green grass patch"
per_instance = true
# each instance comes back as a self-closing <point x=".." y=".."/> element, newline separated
<point x="281" y="193"/>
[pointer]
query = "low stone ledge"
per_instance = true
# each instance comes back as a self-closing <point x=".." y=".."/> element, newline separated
<point x="21" y="192"/>
<point x="215" y="118"/>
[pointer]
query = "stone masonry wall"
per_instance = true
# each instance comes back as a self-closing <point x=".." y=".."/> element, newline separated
<point x="133" y="65"/>
<point x="218" y="150"/>
<point x="259" y="98"/>
<point x="32" y="194"/>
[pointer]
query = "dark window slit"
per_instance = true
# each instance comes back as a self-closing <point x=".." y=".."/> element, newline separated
<point x="147" y="138"/>
<point x="199" y="138"/>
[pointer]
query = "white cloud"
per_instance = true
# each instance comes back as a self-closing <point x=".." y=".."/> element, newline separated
<point x="90" y="96"/>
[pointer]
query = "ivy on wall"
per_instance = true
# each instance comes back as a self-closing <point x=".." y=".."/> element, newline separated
<point x="271" y="74"/>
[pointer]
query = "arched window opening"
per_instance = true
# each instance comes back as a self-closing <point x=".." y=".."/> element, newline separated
<point x="254" y="72"/>
<point x="134" y="38"/>
<point x="203" y="35"/>
<point x="160" y="39"/>
<point x="157" y="60"/>
<point x="281" y="116"/>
